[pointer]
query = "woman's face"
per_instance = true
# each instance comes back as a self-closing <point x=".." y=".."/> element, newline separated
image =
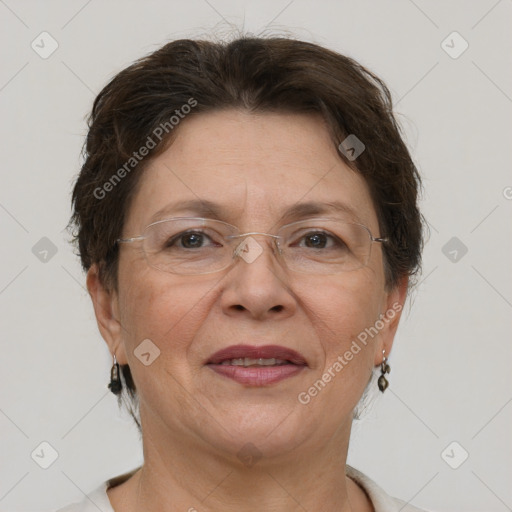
<point x="255" y="168"/>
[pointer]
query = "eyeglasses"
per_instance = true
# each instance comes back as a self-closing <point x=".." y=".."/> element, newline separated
<point x="193" y="246"/>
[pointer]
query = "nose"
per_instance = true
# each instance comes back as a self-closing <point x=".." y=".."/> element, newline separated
<point x="257" y="286"/>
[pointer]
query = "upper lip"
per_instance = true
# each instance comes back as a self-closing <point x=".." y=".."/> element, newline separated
<point x="255" y="352"/>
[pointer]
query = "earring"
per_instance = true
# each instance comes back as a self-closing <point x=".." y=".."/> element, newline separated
<point x="115" y="378"/>
<point x="384" y="368"/>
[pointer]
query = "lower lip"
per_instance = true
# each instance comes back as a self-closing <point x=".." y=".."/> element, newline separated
<point x="257" y="375"/>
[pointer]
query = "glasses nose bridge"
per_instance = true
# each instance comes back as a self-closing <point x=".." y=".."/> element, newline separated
<point x="251" y="233"/>
<point x="244" y="236"/>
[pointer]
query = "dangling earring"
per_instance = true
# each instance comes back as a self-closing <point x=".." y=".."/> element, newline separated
<point x="115" y="378"/>
<point x="384" y="368"/>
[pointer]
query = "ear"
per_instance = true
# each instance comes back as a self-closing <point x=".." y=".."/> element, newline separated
<point x="392" y="307"/>
<point x="106" y="309"/>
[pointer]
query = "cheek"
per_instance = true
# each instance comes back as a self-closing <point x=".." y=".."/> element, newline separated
<point x="341" y="311"/>
<point x="163" y="309"/>
<point x="169" y="313"/>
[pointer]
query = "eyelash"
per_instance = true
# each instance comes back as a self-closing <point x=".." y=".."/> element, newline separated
<point x="329" y="235"/>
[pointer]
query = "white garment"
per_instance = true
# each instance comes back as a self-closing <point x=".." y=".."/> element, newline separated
<point x="382" y="502"/>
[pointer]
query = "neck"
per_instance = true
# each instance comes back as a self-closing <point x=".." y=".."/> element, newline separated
<point x="185" y="475"/>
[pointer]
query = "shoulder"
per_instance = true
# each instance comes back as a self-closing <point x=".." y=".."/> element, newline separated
<point x="381" y="501"/>
<point x="98" y="499"/>
<point x="95" y="501"/>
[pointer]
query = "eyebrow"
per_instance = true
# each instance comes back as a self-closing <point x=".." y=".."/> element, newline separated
<point x="209" y="209"/>
<point x="201" y="207"/>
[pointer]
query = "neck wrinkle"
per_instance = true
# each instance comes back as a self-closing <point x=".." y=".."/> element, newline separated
<point x="317" y="482"/>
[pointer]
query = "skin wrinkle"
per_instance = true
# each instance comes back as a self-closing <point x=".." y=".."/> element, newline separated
<point x="194" y="421"/>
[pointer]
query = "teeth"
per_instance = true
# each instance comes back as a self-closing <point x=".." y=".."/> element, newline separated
<point x="249" y="361"/>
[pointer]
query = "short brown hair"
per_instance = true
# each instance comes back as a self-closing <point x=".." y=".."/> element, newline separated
<point x="256" y="74"/>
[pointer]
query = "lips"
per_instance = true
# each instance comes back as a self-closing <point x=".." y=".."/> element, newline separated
<point x="257" y="366"/>
<point x="252" y="352"/>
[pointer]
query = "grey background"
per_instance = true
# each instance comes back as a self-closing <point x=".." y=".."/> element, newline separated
<point x="450" y="378"/>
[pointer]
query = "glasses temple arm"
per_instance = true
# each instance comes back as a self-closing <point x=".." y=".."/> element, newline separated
<point x="127" y="240"/>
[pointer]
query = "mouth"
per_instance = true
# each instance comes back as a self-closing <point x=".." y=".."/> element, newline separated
<point x="257" y="366"/>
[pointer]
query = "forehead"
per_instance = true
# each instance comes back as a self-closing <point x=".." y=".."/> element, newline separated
<point x="244" y="167"/>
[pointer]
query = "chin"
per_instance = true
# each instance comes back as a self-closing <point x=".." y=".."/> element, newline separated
<point x="268" y="431"/>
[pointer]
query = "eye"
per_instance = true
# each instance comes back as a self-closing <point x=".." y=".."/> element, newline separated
<point x="189" y="240"/>
<point x="316" y="240"/>
<point x="319" y="240"/>
<point x="192" y="240"/>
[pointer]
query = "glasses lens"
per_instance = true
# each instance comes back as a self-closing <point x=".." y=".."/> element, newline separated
<point x="188" y="245"/>
<point x="325" y="246"/>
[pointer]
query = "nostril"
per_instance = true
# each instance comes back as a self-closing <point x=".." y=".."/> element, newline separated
<point x="277" y="309"/>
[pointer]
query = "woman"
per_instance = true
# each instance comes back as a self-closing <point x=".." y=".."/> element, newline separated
<point x="247" y="217"/>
